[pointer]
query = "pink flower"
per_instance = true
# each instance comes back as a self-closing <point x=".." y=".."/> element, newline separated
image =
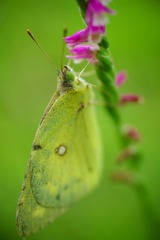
<point x="95" y="33"/>
<point x="128" y="98"/>
<point x="96" y="12"/>
<point x="130" y="152"/>
<point x="77" y="38"/>
<point x="131" y="133"/>
<point x="120" y="78"/>
<point x="86" y="51"/>
<point x="123" y="177"/>
<point x="96" y="20"/>
<point x="91" y="33"/>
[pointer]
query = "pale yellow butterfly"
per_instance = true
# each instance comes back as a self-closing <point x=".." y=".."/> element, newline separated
<point x="66" y="158"/>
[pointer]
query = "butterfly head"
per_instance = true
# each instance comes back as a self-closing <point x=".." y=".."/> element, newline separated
<point x="68" y="75"/>
<point x="67" y="79"/>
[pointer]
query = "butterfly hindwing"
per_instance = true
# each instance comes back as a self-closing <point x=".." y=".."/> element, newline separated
<point x="31" y="216"/>
<point x="65" y="167"/>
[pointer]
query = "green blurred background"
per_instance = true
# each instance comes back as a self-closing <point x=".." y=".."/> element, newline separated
<point x="27" y="83"/>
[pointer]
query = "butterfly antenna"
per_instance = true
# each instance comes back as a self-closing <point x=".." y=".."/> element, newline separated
<point x="81" y="72"/>
<point x="33" y="38"/>
<point x="65" y="30"/>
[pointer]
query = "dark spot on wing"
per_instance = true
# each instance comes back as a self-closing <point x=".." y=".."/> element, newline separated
<point x="82" y="105"/>
<point x="20" y="204"/>
<point x="37" y="147"/>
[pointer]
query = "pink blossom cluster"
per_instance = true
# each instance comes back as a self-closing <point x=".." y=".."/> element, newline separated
<point x="96" y="20"/>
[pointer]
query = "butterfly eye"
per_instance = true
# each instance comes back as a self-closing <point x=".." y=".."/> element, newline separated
<point x="68" y="74"/>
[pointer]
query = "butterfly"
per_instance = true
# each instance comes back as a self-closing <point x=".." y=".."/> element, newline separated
<point x="66" y="157"/>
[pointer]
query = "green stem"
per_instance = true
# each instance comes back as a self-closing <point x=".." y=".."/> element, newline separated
<point x="106" y="74"/>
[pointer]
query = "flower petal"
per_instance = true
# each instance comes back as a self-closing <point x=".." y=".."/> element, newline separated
<point x="127" y="153"/>
<point x="96" y="7"/>
<point x="84" y="52"/>
<point x="95" y="33"/>
<point x="131" y="133"/>
<point x="128" y="98"/>
<point x="120" y="78"/>
<point x="77" y="38"/>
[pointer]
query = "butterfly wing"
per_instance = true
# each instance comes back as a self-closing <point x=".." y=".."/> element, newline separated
<point x="60" y="179"/>
<point x="65" y="160"/>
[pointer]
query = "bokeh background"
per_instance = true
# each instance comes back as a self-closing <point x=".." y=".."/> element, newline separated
<point x="28" y="81"/>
